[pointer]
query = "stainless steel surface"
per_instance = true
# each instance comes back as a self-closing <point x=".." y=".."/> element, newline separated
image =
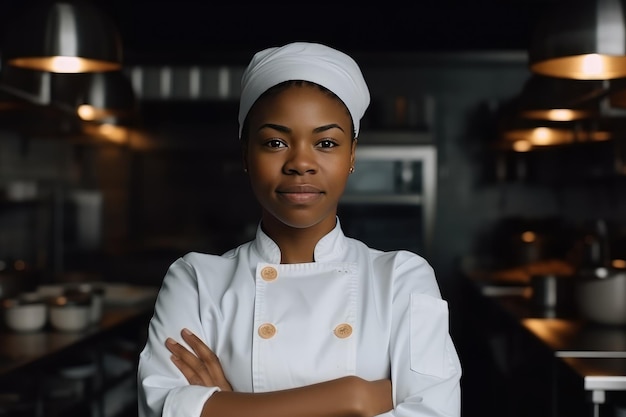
<point x="602" y="298"/>
<point x="552" y="291"/>
<point x="419" y="193"/>
<point x="597" y="353"/>
<point x="63" y="30"/>
<point x="582" y="40"/>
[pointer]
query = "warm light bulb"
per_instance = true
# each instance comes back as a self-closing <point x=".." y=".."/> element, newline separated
<point x="86" y="112"/>
<point x="561" y="115"/>
<point x="592" y="65"/>
<point x="65" y="64"/>
<point x="529" y="236"/>
<point x="541" y="136"/>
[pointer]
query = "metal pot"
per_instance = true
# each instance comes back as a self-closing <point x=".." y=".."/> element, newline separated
<point x="600" y="296"/>
<point x="553" y="292"/>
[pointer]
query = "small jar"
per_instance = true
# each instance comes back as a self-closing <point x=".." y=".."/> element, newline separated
<point x="70" y="312"/>
<point x="24" y="316"/>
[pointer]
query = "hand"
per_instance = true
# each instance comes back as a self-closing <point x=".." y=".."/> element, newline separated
<point x="200" y="367"/>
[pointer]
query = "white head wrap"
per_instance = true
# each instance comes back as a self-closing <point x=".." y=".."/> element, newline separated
<point x="305" y="61"/>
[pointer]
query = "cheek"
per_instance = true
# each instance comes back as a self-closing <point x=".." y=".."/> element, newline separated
<point x="261" y="176"/>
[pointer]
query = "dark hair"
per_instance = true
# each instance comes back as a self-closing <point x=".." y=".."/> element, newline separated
<point x="282" y="87"/>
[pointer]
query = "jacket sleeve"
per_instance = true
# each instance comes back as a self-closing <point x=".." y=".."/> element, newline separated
<point x="425" y="367"/>
<point x="163" y="390"/>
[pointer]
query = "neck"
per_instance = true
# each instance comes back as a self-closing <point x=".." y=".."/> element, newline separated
<point x="297" y="245"/>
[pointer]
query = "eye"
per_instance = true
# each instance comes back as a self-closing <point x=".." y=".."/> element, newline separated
<point x="327" y="143"/>
<point x="275" y="143"/>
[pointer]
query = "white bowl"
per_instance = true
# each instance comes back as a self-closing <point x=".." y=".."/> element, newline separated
<point x="602" y="299"/>
<point x="69" y="315"/>
<point x="27" y="317"/>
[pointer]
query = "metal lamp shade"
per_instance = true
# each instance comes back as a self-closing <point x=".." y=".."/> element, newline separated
<point x="559" y="99"/>
<point x="522" y="134"/>
<point x="106" y="97"/>
<point x="583" y="39"/>
<point x="64" y="38"/>
<point x="523" y="139"/>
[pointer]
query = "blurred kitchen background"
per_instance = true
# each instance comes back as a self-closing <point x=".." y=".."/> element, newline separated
<point x="108" y="176"/>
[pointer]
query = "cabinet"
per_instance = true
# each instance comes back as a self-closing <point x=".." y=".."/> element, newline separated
<point x="390" y="199"/>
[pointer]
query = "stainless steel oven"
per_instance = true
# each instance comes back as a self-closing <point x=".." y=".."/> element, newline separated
<point x="390" y="198"/>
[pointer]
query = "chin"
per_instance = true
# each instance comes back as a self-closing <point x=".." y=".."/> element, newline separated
<point x="304" y="222"/>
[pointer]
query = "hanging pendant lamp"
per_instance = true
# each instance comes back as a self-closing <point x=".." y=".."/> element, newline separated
<point x="97" y="96"/>
<point x="63" y="37"/>
<point x="559" y="99"/>
<point x="105" y="103"/>
<point x="580" y="39"/>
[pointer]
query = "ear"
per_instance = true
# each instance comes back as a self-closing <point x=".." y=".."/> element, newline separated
<point x="353" y="152"/>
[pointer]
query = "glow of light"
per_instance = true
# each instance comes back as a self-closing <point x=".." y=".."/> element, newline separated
<point x="86" y="112"/>
<point x="529" y="237"/>
<point x="618" y="263"/>
<point x="541" y="136"/>
<point x="552" y="331"/>
<point x="592" y="65"/>
<point x="522" y="146"/>
<point x="111" y="132"/>
<point x="561" y="115"/>
<point x="65" y="64"/>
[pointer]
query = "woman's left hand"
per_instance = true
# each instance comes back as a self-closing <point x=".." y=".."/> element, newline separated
<point x="200" y="367"/>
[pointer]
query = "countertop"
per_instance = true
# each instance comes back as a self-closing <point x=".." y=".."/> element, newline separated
<point x="126" y="308"/>
<point x="594" y="352"/>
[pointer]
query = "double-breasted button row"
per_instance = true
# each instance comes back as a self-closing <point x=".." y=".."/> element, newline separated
<point x="269" y="273"/>
<point x="268" y="330"/>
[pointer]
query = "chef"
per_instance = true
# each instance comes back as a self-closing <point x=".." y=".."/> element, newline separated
<point x="303" y="320"/>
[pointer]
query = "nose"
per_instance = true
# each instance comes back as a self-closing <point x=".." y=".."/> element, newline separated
<point x="300" y="162"/>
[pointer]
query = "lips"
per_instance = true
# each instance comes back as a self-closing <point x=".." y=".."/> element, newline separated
<point x="299" y="189"/>
<point x="300" y="194"/>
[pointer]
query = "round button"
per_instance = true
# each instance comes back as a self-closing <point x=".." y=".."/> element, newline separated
<point x="269" y="274"/>
<point x="343" y="330"/>
<point x="267" y="330"/>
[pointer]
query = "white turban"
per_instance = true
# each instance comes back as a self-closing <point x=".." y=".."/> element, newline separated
<point x="312" y="62"/>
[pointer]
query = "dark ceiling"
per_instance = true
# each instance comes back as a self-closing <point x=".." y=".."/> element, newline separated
<point x="183" y="31"/>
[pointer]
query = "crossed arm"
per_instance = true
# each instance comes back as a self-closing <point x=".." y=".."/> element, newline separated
<point x="344" y="397"/>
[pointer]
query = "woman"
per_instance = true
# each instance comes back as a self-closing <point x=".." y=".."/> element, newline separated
<point x="301" y="321"/>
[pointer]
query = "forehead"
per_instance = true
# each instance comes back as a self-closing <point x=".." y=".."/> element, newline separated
<point x="287" y="96"/>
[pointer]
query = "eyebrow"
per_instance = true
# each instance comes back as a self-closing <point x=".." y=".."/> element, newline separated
<point x="285" y="129"/>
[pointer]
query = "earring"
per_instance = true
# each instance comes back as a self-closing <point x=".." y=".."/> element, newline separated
<point x="245" y="170"/>
<point x="351" y="170"/>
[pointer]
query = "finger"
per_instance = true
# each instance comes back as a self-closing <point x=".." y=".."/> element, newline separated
<point x="209" y="358"/>
<point x="199" y="347"/>
<point x="188" y="371"/>
<point x="181" y="352"/>
<point x="189" y="364"/>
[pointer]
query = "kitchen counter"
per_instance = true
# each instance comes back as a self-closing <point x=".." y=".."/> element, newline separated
<point x="19" y="351"/>
<point x="594" y="353"/>
<point x="101" y="359"/>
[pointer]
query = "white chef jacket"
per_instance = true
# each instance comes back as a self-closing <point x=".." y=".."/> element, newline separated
<point x="354" y="311"/>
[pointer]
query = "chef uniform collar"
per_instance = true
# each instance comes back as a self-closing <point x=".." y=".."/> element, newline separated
<point x="330" y="248"/>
